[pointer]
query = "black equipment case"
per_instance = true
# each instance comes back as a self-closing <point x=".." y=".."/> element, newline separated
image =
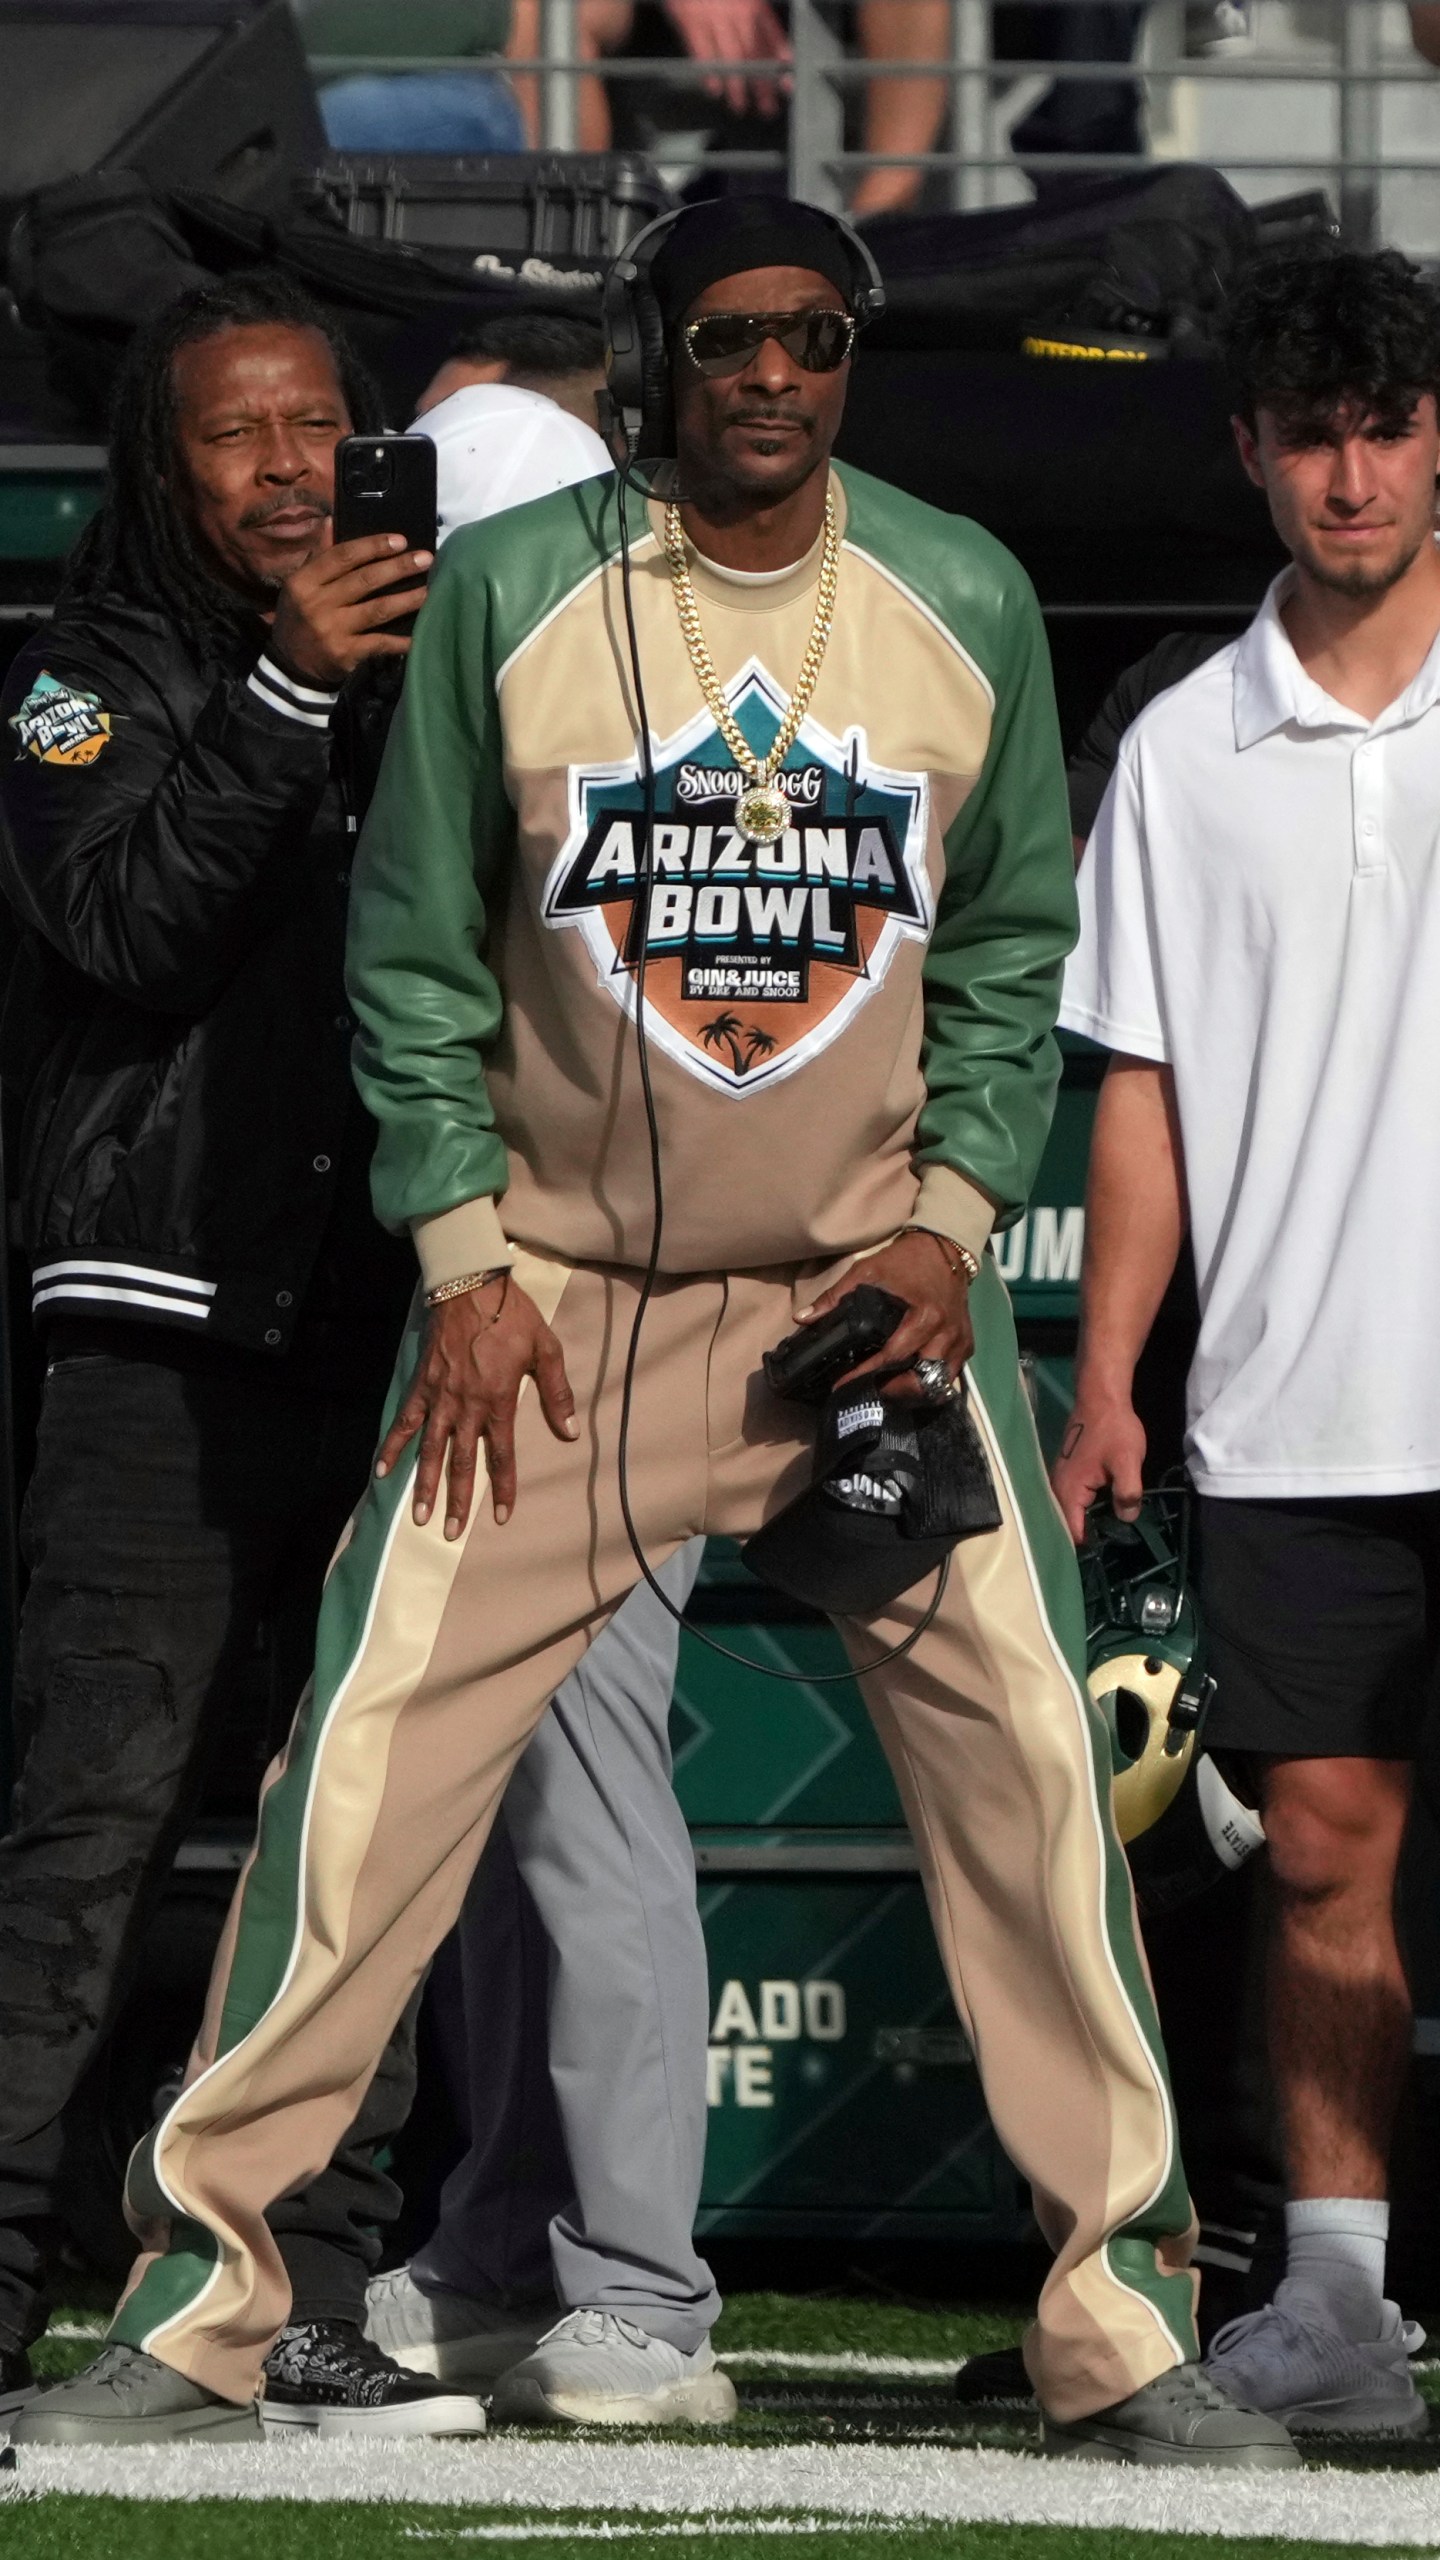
<point x="577" y="206"/>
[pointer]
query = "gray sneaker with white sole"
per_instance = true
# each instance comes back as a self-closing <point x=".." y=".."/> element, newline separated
<point x="596" y="2370"/>
<point x="1183" y="2416"/>
<point x="450" y="2335"/>
<point x="125" y="2397"/>
<point x="1289" y="2358"/>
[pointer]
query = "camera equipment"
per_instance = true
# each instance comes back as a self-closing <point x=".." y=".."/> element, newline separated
<point x="912" y="1478"/>
<point x="896" y="1483"/>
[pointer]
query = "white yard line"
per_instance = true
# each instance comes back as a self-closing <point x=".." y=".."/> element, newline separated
<point x="897" y="2368"/>
<point x="674" y="2483"/>
<point x="687" y="2528"/>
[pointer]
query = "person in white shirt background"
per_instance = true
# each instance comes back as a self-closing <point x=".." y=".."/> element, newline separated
<point x="512" y="413"/>
<point x="1260" y="949"/>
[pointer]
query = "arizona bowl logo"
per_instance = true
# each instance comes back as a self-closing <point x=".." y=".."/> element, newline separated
<point x="756" y="956"/>
<point x="57" y="724"/>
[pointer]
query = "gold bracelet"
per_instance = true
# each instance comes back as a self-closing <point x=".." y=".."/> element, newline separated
<point x="462" y="1288"/>
<point x="968" y="1262"/>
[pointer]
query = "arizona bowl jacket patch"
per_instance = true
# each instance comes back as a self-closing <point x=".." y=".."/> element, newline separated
<point x="756" y="955"/>
<point x="57" y="724"/>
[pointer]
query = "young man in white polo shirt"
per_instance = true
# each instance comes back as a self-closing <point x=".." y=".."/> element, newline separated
<point x="1260" y="948"/>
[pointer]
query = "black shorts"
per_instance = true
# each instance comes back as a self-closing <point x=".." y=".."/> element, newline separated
<point x="1322" y="1623"/>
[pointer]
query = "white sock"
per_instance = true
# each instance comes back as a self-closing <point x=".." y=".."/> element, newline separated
<point x="1335" y="2252"/>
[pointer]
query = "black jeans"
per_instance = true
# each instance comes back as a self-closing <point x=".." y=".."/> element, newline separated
<point x="170" y="1514"/>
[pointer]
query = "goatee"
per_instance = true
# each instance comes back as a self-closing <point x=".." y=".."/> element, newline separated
<point x="1360" y="581"/>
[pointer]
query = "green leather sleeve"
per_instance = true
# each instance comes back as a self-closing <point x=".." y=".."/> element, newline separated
<point x="1006" y="918"/>
<point x="1007" y="914"/>
<point x="434" y="853"/>
<point x="437" y="851"/>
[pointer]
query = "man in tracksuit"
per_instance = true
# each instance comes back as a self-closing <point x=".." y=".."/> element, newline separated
<point x="848" y="1021"/>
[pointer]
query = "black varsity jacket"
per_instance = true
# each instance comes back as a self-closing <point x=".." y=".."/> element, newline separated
<point x="175" y="1044"/>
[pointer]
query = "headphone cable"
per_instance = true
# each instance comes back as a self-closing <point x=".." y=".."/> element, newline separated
<point x="644" y="872"/>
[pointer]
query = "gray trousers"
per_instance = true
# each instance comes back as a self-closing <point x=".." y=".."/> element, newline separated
<point x="589" y="1881"/>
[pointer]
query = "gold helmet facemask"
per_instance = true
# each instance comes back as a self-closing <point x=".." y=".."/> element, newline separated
<point x="1144" y="1653"/>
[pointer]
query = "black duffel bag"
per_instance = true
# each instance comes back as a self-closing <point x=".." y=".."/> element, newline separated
<point x="95" y="257"/>
<point x="1147" y="257"/>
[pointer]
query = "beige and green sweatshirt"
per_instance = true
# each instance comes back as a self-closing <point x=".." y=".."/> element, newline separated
<point x="846" y="1029"/>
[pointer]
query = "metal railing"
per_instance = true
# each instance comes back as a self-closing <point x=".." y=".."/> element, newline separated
<point x="1357" y="61"/>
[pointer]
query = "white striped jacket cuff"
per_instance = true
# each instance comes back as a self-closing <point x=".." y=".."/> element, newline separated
<point x="310" y="704"/>
<point x="98" y="1281"/>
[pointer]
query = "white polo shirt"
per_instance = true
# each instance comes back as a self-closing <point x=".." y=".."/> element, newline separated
<point x="1260" y="907"/>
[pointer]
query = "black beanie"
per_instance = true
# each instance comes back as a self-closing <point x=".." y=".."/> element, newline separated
<point x="730" y="234"/>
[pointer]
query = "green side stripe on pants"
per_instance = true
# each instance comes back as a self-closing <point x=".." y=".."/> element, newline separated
<point x="270" y="1909"/>
<point x="171" y="2285"/>
<point x="1130" y="2255"/>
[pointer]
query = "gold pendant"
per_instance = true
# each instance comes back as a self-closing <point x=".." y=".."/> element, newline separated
<point x="763" y="813"/>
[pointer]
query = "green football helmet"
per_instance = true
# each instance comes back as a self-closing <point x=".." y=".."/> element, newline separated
<point x="1182" y="1819"/>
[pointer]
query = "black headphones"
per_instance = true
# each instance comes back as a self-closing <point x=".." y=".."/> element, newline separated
<point x="637" y="362"/>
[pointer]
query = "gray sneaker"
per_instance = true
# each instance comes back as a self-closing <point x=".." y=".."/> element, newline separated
<point x="597" y="2370"/>
<point x="125" y="2397"/>
<point x="1182" y="2416"/>
<point x="448" y="2334"/>
<point x="1290" y="2359"/>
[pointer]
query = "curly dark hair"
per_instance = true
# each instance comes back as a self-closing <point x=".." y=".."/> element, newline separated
<point x="141" y="543"/>
<point x="1309" y="332"/>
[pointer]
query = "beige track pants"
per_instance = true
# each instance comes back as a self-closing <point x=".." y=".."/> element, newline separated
<point x="435" y="1661"/>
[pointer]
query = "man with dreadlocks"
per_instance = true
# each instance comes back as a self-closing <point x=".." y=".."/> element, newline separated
<point x="217" y="1305"/>
<point x="220" y="1312"/>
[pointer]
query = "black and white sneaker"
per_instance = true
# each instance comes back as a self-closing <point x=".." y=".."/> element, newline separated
<point x="325" y="2374"/>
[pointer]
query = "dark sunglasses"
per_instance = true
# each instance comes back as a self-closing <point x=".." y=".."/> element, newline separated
<point x="725" y="341"/>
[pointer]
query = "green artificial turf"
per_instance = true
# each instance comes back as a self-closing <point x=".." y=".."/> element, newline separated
<point x="215" y="2529"/>
<point x="830" y="2324"/>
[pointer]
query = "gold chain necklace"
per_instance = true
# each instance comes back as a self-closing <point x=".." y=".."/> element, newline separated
<point x="763" y="812"/>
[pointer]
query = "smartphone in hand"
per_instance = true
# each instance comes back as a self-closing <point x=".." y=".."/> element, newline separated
<point x="386" y="484"/>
